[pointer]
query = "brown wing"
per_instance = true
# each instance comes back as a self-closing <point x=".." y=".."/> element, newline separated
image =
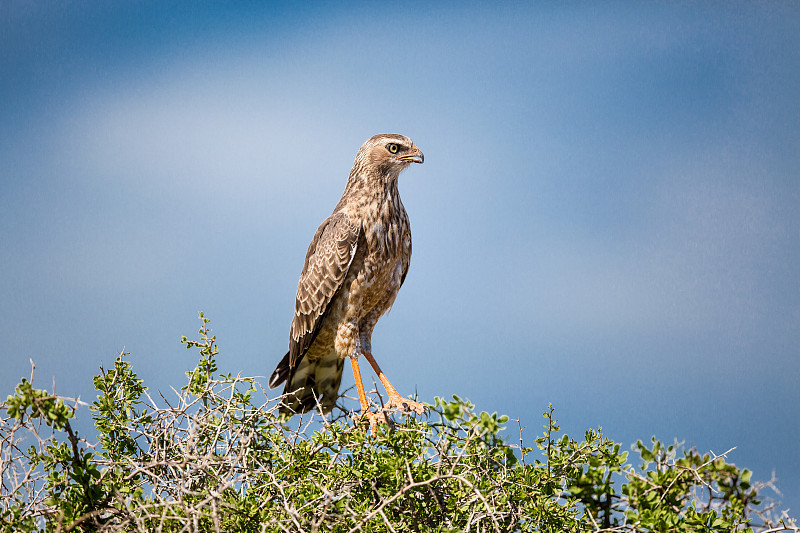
<point x="406" y="257"/>
<point x="328" y="258"/>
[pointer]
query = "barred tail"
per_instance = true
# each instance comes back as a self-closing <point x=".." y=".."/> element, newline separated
<point x="312" y="382"/>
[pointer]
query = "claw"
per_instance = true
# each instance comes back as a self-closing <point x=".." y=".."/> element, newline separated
<point x="395" y="400"/>
<point x="398" y="402"/>
<point x="373" y="419"/>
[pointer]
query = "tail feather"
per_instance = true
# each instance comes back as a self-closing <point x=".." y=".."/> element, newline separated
<point x="281" y="372"/>
<point x="313" y="383"/>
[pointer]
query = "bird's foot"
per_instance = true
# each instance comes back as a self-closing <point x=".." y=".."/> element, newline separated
<point x="373" y="419"/>
<point x="381" y="416"/>
<point x="404" y="404"/>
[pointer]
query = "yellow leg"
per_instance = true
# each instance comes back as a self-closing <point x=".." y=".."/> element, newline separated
<point x="395" y="400"/>
<point x="362" y="396"/>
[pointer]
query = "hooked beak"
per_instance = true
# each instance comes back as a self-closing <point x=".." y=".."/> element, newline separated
<point x="414" y="157"/>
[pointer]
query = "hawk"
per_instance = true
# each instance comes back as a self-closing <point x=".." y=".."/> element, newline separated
<point x="354" y="267"/>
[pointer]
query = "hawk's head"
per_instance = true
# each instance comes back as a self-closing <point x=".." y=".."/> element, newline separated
<point x="387" y="154"/>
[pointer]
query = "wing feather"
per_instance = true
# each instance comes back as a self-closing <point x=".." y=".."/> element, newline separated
<point x="327" y="261"/>
<point x="406" y="257"/>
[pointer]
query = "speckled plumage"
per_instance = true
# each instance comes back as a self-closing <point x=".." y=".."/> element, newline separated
<point x="354" y="267"/>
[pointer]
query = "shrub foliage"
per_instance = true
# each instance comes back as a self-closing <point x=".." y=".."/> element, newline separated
<point x="213" y="458"/>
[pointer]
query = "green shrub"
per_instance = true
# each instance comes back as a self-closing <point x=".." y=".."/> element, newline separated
<point x="213" y="458"/>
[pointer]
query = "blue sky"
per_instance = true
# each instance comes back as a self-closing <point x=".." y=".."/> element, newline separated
<point x="607" y="217"/>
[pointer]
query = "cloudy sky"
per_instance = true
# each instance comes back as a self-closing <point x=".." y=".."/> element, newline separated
<point x="608" y="217"/>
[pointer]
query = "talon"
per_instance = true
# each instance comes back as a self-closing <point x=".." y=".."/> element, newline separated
<point x="372" y="419"/>
<point x="395" y="400"/>
<point x="398" y="402"/>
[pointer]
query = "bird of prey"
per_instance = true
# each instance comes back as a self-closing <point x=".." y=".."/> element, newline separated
<point x="354" y="267"/>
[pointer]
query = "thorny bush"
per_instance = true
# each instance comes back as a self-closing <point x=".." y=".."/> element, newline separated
<point x="213" y="458"/>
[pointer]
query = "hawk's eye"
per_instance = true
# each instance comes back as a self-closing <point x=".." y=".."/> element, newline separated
<point x="392" y="147"/>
